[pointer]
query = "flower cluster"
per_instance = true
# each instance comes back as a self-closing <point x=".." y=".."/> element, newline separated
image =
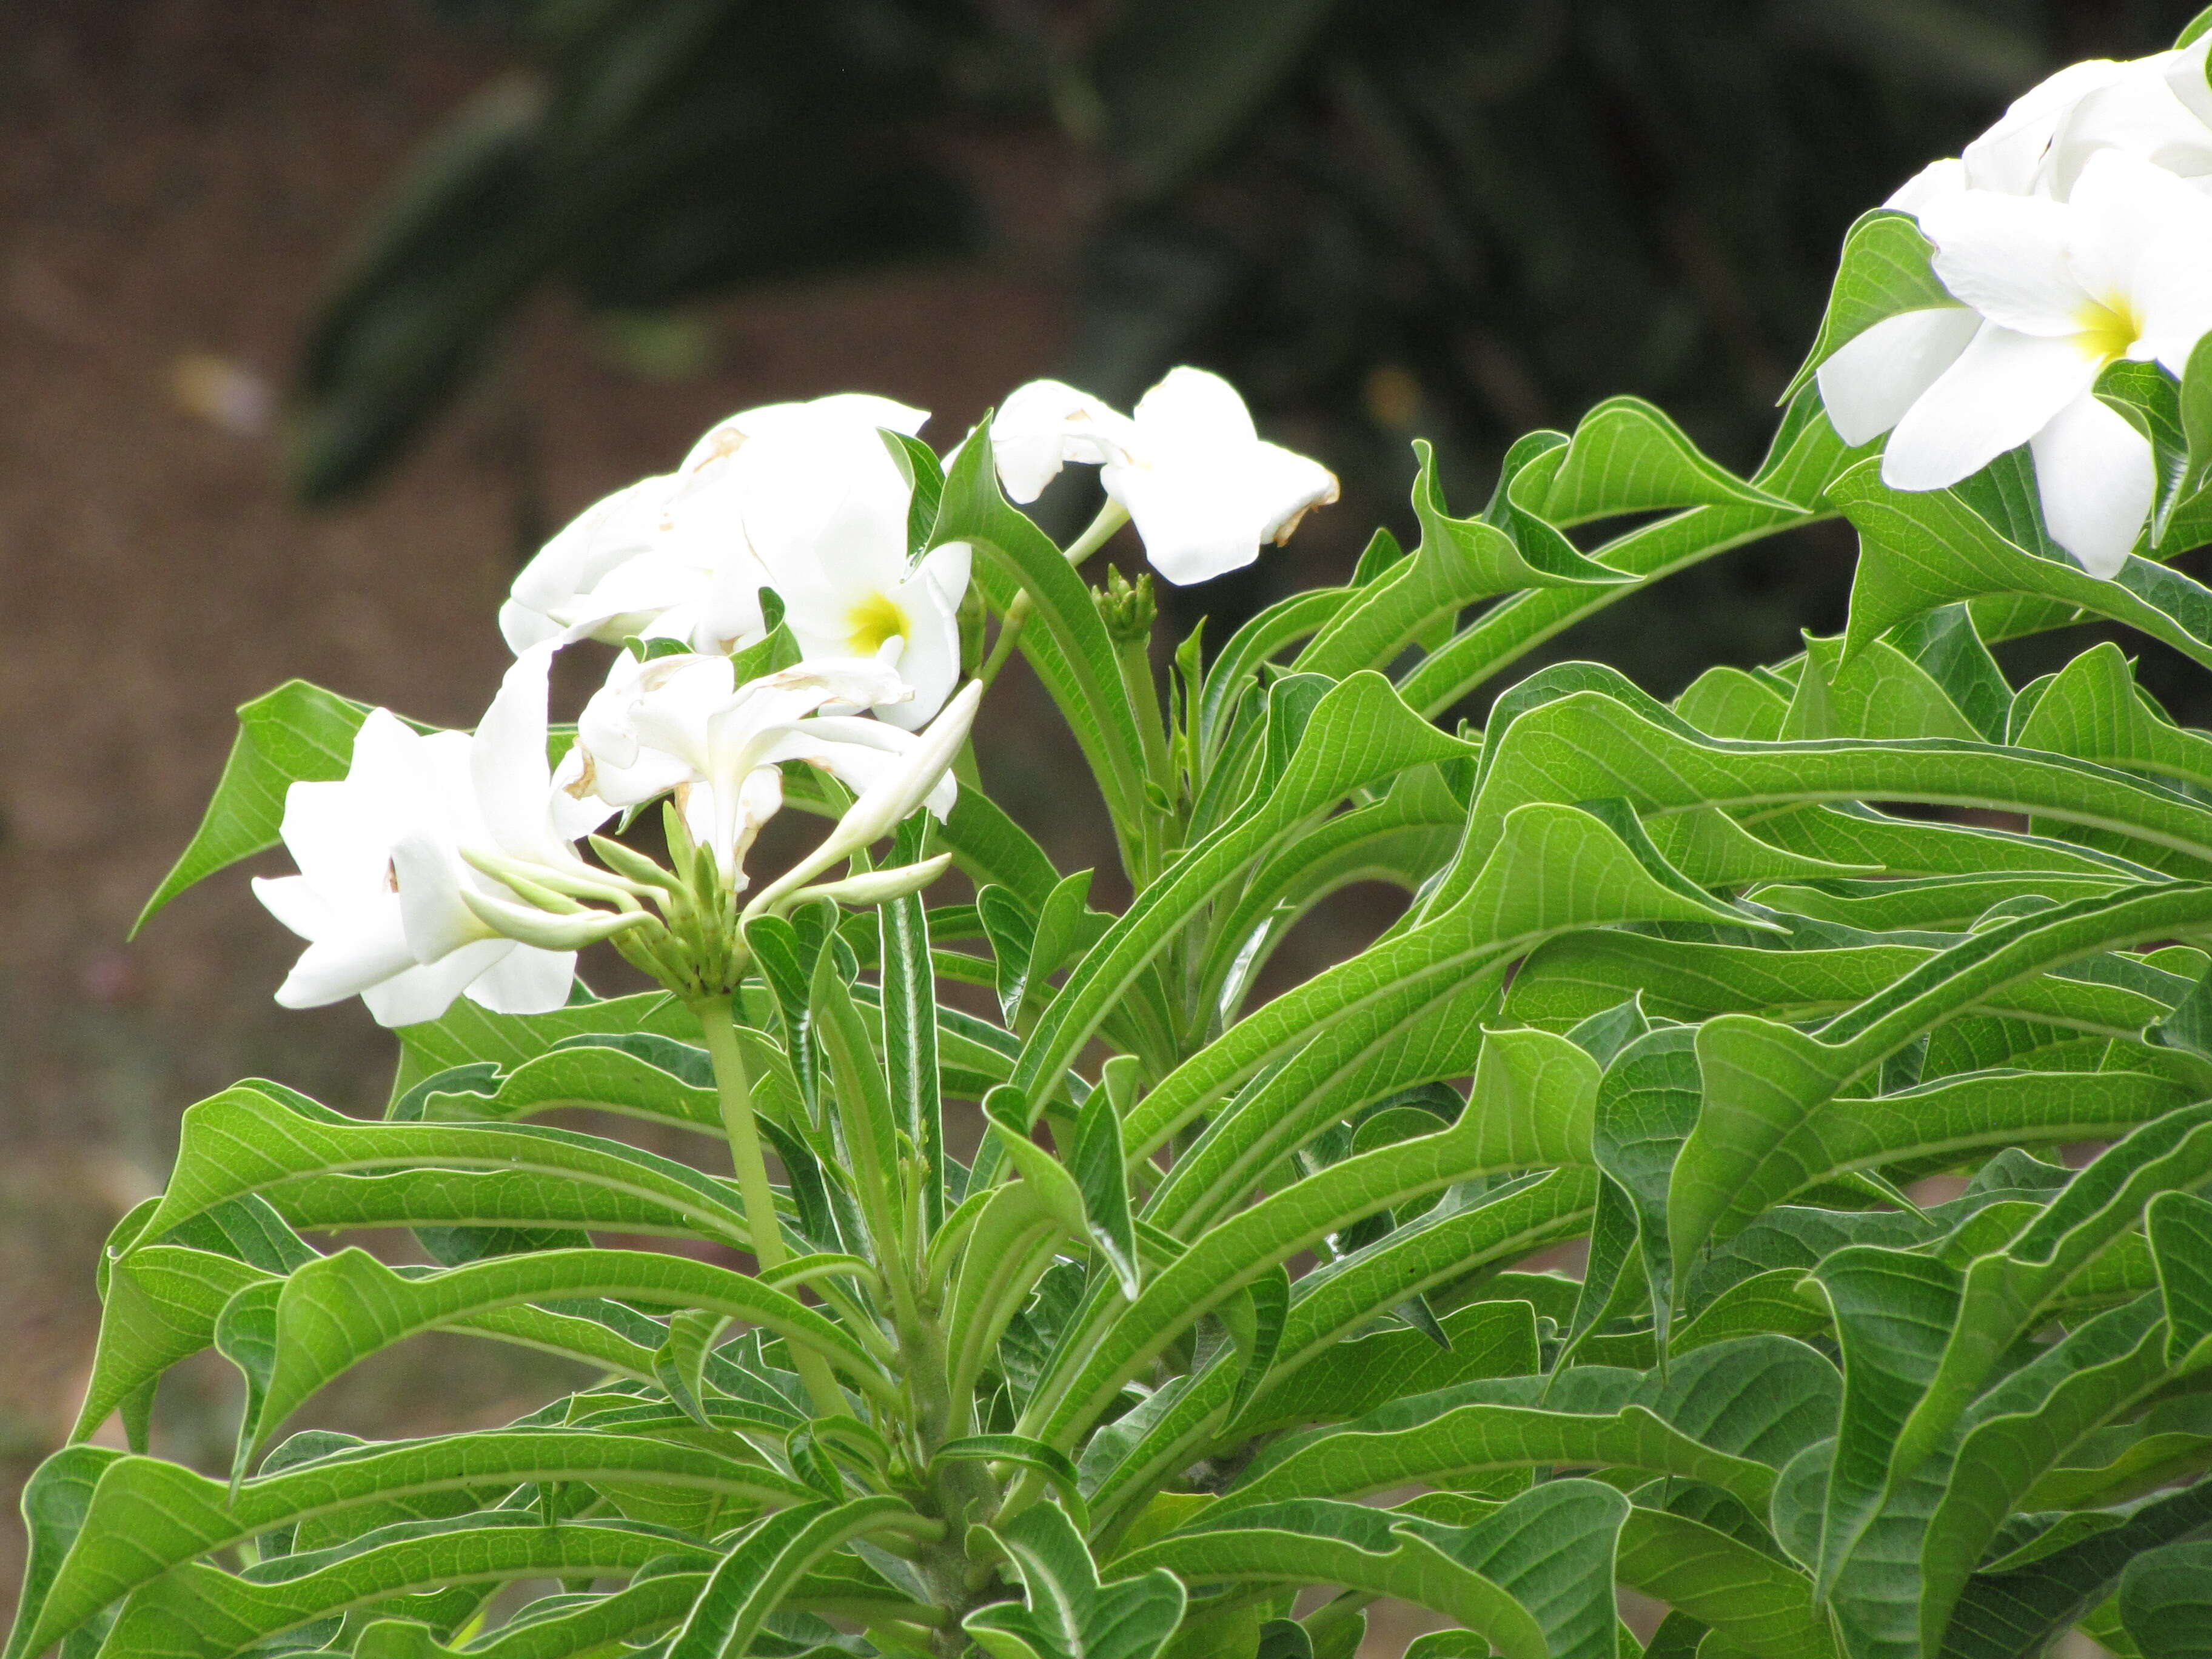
<point x="2075" y="233"/>
<point x="772" y="609"/>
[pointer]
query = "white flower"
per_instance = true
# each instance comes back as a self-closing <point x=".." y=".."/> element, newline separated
<point x="681" y="723"/>
<point x="2157" y="108"/>
<point x="666" y="557"/>
<point x="380" y="894"/>
<point x="823" y="508"/>
<point x="1202" y="488"/>
<point x="914" y="773"/>
<point x="2053" y="292"/>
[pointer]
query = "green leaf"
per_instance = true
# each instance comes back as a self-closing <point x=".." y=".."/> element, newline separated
<point x="1520" y="895"/>
<point x="1535" y="1578"/>
<point x="1627" y="456"/>
<point x="245" y="1141"/>
<point x="864" y="1114"/>
<point x="2166" y="1602"/>
<point x="2021" y="1430"/>
<point x="1359" y="733"/>
<point x="196" y="1612"/>
<point x="2002" y="1615"/>
<point x="1587" y="747"/>
<point x="1879" y="692"/>
<point x="910" y="1013"/>
<point x="56" y="1502"/>
<point x="1458" y="561"/>
<point x="469" y="1034"/>
<point x="769" y="1562"/>
<point x="1893" y="1311"/>
<point x="1764" y="1081"/>
<point x="2006" y="1294"/>
<point x="1100" y="1174"/>
<point x="1234" y="670"/>
<point x="1527" y="1127"/>
<point x="1947" y="644"/>
<point x="147" y="1516"/>
<point x="1752" y="1602"/>
<point x="1806" y="455"/>
<point x="1026" y="1453"/>
<point x="1069" y="1615"/>
<point x="297" y="733"/>
<point x="2094" y="709"/>
<point x="1920" y="551"/>
<point x="1885" y="271"/>
<point x="338" y="1309"/>
<point x="1449" y="1243"/>
<point x="2180" y="1228"/>
<point x="1071" y="651"/>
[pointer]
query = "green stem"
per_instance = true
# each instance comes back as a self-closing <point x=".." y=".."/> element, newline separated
<point x="721" y="1030"/>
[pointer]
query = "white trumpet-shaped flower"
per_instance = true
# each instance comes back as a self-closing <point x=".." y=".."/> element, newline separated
<point x="2052" y="292"/>
<point x="382" y="896"/>
<point x="681" y="724"/>
<point x="667" y="556"/>
<point x="1202" y="488"/>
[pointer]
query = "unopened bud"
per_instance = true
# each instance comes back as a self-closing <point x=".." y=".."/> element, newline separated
<point x="1127" y="608"/>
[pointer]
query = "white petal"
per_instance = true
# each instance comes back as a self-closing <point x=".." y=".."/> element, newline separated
<point x="507" y="760"/>
<point x="1191" y="409"/>
<point x="436" y="919"/>
<point x="614" y="528"/>
<point x="294" y="901"/>
<point x="577" y="808"/>
<point x="1876" y="374"/>
<point x="2094" y="474"/>
<point x="1193" y="530"/>
<point x="2008" y="257"/>
<point x="526" y="981"/>
<point x="422" y="994"/>
<point x="2121" y="206"/>
<point x="2006" y="157"/>
<point x="826" y="515"/>
<point x="1043" y="425"/>
<point x="348" y="963"/>
<point x="1936" y="178"/>
<point x="851" y="409"/>
<point x="2183" y="70"/>
<point x="929" y="661"/>
<point x="338" y="834"/>
<point x="2172" y="288"/>
<point x="2138" y="115"/>
<point x="522" y="628"/>
<point x="1281" y="487"/>
<point x="2003" y="389"/>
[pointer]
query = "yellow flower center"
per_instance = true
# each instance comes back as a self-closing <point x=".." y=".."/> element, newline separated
<point x="875" y="619"/>
<point x="2108" y="328"/>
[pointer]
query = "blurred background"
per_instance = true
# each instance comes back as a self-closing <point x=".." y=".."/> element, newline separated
<point x="316" y="320"/>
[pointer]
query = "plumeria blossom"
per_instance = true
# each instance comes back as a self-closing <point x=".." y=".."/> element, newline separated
<point x="1202" y="488"/>
<point x="2157" y="109"/>
<point x="382" y="896"/>
<point x="666" y="557"/>
<point x="681" y="724"/>
<point x="823" y="511"/>
<point x="2052" y="292"/>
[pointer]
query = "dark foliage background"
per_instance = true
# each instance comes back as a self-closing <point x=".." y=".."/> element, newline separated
<point x="1463" y="217"/>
